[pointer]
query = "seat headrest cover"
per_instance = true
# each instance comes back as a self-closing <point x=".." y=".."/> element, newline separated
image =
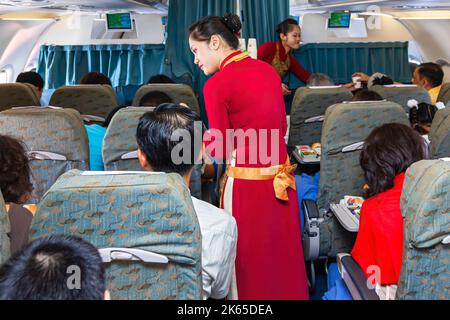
<point x="425" y="203"/>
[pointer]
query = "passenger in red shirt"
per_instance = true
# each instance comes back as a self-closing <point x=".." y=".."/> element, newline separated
<point x="388" y="152"/>
<point x="279" y="54"/>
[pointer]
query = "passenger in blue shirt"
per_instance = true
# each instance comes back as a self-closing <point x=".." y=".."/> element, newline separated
<point x="96" y="133"/>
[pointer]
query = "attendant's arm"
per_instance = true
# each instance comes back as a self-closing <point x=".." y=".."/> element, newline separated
<point x="266" y="52"/>
<point x="298" y="70"/>
<point x="215" y="138"/>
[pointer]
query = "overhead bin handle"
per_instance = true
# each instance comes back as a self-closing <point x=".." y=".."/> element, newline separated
<point x="127" y="254"/>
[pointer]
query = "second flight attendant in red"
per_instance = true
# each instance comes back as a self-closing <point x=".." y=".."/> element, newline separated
<point x="279" y="54"/>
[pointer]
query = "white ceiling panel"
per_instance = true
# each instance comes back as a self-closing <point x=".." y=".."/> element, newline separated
<point x="139" y="6"/>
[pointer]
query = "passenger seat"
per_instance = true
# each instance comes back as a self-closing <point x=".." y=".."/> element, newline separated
<point x="143" y="224"/>
<point x="308" y="111"/>
<point x="56" y="140"/>
<point x="179" y="93"/>
<point x="93" y="102"/>
<point x="440" y="134"/>
<point x="120" y="146"/>
<point x="401" y="94"/>
<point x="18" y="95"/>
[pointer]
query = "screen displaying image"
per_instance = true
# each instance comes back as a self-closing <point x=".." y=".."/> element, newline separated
<point x="119" y="21"/>
<point x="339" y="20"/>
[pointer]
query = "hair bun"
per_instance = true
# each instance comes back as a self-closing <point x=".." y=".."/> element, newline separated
<point x="233" y="22"/>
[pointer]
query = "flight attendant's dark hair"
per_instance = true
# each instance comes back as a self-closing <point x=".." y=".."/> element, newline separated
<point x="227" y="27"/>
<point x="287" y="26"/>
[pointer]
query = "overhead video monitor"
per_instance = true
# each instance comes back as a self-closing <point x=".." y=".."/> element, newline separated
<point x="119" y="22"/>
<point x="339" y="20"/>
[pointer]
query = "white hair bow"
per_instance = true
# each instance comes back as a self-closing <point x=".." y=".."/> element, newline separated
<point x="440" y="105"/>
<point x="413" y="103"/>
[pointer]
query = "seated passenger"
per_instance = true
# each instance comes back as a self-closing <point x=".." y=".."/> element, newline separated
<point x="96" y="133"/>
<point x="16" y="188"/>
<point x="95" y="78"/>
<point x="160" y="78"/>
<point x="369" y="81"/>
<point x="151" y="99"/>
<point x="54" y="268"/>
<point x="387" y="153"/>
<point x="366" y="95"/>
<point x="218" y="228"/>
<point x="154" y="99"/>
<point x="430" y="76"/>
<point x="421" y="116"/>
<point x="319" y="80"/>
<point x="33" y="78"/>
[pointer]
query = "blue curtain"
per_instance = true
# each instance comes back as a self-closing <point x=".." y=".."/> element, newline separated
<point x="178" y="58"/>
<point x="261" y="17"/>
<point x="125" y="65"/>
<point x="341" y="60"/>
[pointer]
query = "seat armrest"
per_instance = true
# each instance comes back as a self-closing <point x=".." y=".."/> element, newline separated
<point x="311" y="233"/>
<point x="310" y="208"/>
<point x="355" y="278"/>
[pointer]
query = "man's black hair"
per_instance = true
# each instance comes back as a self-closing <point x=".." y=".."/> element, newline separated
<point x="432" y="72"/>
<point x="47" y="269"/>
<point x="154" y="99"/>
<point x="155" y="132"/>
<point x="31" y="77"/>
<point x="160" y="78"/>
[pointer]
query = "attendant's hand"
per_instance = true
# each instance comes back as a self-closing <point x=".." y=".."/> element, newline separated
<point x="363" y="77"/>
<point x="286" y="90"/>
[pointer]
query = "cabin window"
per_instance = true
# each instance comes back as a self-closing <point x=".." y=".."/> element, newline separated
<point x="5" y="74"/>
<point x="414" y="53"/>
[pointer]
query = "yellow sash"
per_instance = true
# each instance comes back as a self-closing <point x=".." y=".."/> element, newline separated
<point x="281" y="174"/>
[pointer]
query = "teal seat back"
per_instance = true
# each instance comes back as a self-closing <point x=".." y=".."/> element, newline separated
<point x="57" y="131"/>
<point x="151" y="212"/>
<point x="425" y="206"/>
<point x="307" y="104"/>
<point x="18" y="95"/>
<point x="94" y="100"/>
<point x="402" y="94"/>
<point x="120" y="140"/>
<point x="179" y="93"/>
<point x="440" y="134"/>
